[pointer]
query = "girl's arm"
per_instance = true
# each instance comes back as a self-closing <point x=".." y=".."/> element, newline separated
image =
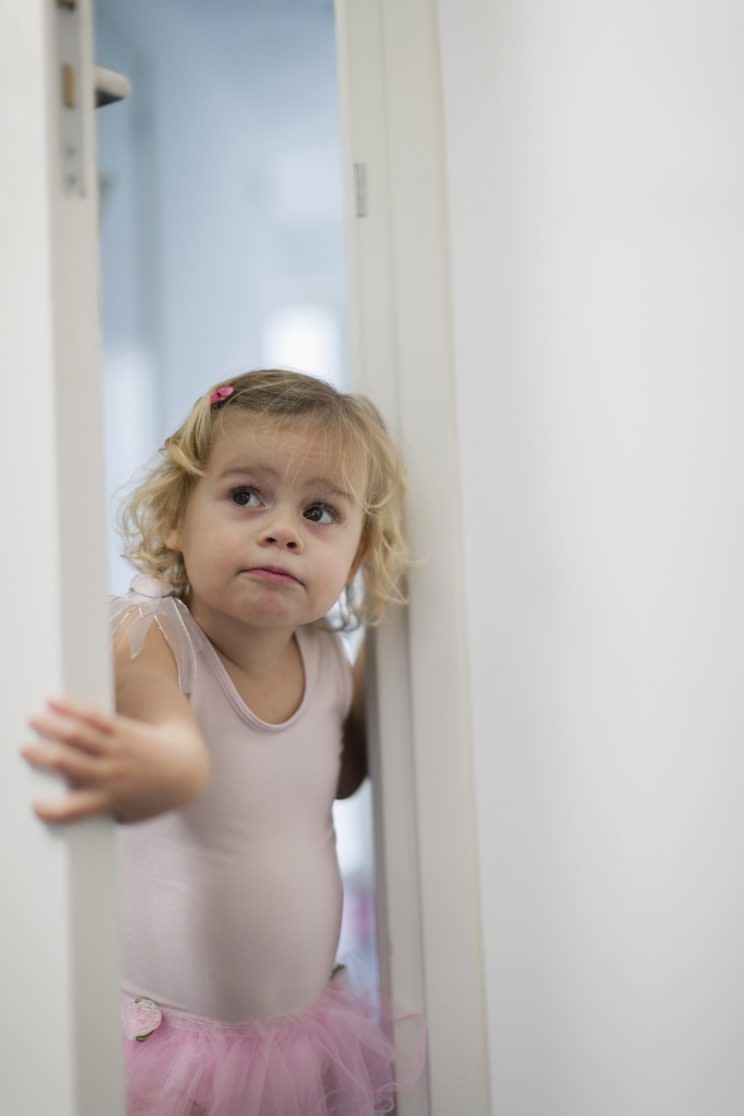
<point x="145" y="759"/>
<point x="354" y="754"/>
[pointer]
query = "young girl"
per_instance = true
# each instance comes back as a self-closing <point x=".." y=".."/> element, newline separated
<point x="238" y="722"/>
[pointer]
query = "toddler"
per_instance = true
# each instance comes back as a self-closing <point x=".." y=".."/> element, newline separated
<point x="238" y="721"/>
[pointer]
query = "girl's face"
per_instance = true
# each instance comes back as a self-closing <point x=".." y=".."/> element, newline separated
<point x="272" y="532"/>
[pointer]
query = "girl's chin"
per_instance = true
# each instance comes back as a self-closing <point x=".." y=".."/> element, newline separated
<point x="265" y="606"/>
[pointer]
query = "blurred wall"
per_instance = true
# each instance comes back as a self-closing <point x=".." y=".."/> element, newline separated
<point x="222" y="208"/>
<point x="596" y="183"/>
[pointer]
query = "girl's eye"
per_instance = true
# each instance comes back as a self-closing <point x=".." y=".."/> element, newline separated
<point x="320" y="513"/>
<point x="245" y="497"/>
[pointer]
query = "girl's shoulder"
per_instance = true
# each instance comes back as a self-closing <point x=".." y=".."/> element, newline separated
<point x="150" y="601"/>
<point x="327" y="648"/>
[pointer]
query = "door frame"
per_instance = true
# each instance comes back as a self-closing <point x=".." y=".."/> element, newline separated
<point x="402" y="352"/>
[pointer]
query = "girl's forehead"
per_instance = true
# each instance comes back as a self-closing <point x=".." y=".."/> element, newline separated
<point x="298" y="447"/>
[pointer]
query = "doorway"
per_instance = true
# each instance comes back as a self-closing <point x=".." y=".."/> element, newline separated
<point x="222" y="249"/>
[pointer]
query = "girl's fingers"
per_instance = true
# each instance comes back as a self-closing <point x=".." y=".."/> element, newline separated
<point x="70" y="730"/>
<point x="80" y="743"/>
<point x="96" y="718"/>
<point x="76" y="805"/>
<point x="78" y="766"/>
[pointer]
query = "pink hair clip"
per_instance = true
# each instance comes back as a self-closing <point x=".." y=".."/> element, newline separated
<point x="220" y="394"/>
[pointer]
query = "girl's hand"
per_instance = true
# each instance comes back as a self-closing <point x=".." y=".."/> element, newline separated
<point x="115" y="764"/>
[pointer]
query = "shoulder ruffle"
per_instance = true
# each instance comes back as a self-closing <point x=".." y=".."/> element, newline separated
<point x="152" y="601"/>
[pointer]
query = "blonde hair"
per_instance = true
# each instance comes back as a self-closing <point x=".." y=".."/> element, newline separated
<point x="158" y="503"/>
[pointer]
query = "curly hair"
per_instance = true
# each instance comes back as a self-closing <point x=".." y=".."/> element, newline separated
<point x="355" y="428"/>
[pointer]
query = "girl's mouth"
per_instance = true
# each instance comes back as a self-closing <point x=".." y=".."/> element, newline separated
<point x="274" y="574"/>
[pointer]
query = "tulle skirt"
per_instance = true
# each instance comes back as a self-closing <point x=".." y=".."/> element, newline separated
<point x="331" y="1059"/>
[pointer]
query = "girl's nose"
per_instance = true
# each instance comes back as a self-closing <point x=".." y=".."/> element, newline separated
<point x="283" y="535"/>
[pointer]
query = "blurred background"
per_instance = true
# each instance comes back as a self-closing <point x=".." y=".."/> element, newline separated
<point x="222" y="233"/>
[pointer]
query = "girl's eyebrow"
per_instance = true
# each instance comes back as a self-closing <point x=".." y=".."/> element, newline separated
<point x="331" y="488"/>
<point x="240" y="468"/>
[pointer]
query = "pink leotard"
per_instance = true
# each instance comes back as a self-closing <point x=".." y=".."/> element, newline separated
<point x="231" y="907"/>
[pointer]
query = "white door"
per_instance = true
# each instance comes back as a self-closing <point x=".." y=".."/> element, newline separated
<point x="431" y="947"/>
<point x="60" y="1036"/>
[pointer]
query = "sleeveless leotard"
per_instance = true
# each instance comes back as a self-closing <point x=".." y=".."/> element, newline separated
<point x="231" y="907"/>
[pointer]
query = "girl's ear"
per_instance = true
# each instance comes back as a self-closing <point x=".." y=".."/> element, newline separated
<point x="359" y="557"/>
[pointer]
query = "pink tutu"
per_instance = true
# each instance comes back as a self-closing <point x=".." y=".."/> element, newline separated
<point x="331" y="1059"/>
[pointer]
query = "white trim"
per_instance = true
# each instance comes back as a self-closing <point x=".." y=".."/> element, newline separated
<point x="60" y="1034"/>
<point x="401" y="316"/>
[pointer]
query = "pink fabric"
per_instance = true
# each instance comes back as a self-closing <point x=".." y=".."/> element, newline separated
<point x="231" y="907"/>
<point x="332" y="1059"/>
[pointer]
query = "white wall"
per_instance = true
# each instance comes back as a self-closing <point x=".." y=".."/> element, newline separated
<point x="596" y="182"/>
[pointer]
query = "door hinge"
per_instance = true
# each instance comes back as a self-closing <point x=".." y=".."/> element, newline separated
<point x="360" y="189"/>
<point x="70" y="106"/>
